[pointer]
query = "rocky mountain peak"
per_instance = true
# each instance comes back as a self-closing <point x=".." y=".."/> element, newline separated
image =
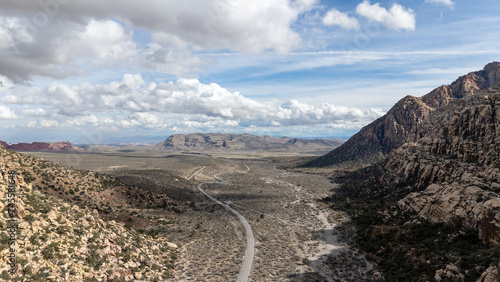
<point x="383" y="135"/>
<point x="492" y="73"/>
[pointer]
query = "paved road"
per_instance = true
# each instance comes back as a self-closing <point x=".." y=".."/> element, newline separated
<point x="249" y="253"/>
<point x="196" y="172"/>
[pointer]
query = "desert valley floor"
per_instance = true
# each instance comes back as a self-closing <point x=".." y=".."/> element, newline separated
<point x="297" y="236"/>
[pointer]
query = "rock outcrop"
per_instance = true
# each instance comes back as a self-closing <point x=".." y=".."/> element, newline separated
<point x="453" y="156"/>
<point x="42" y="146"/>
<point x="374" y="141"/>
<point x="4" y="144"/>
<point x="439" y="170"/>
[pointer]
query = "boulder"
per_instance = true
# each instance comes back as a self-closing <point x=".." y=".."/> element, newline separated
<point x="488" y="223"/>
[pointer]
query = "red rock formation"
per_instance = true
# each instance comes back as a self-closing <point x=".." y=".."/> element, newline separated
<point x="42" y="146"/>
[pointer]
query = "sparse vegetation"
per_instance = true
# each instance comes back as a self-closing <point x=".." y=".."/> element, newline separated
<point x="406" y="252"/>
<point x="55" y="230"/>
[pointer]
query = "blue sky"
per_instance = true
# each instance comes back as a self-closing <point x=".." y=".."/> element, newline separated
<point x="90" y="72"/>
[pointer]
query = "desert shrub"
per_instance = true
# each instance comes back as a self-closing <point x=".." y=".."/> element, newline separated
<point x="51" y="251"/>
<point x="95" y="261"/>
<point x="5" y="275"/>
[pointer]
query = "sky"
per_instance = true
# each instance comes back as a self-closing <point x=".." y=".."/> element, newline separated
<point x="138" y="71"/>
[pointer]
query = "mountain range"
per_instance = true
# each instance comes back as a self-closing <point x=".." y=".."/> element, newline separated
<point x="244" y="142"/>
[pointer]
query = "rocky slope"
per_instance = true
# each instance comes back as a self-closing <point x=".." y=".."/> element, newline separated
<point x="42" y="146"/>
<point x="453" y="156"/>
<point x="231" y="142"/>
<point x="447" y="167"/>
<point x="439" y="170"/>
<point x="62" y="236"/>
<point x="377" y="139"/>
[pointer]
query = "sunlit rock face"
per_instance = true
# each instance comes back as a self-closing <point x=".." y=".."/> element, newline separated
<point x="374" y="141"/>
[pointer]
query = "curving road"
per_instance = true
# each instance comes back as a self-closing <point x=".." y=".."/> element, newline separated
<point x="196" y="172"/>
<point x="249" y="253"/>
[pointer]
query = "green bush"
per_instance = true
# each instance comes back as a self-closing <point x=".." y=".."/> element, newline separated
<point x="51" y="251"/>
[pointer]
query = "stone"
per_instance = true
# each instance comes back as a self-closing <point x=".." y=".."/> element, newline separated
<point x="23" y="225"/>
<point x="452" y="268"/>
<point x="83" y="222"/>
<point x="171" y="245"/>
<point x="36" y="226"/>
<point x="83" y="250"/>
<point x="21" y="211"/>
<point x="437" y="277"/>
<point x="52" y="216"/>
<point x="137" y="275"/>
<point x="130" y="264"/>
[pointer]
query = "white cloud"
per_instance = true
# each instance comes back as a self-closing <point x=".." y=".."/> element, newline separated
<point x="335" y="17"/>
<point x="103" y="41"/>
<point x="161" y="105"/>
<point x="43" y="123"/>
<point x="396" y="18"/>
<point x="147" y="120"/>
<point x="35" y="112"/>
<point x="100" y="33"/>
<point x="6" y="113"/>
<point x="448" y="3"/>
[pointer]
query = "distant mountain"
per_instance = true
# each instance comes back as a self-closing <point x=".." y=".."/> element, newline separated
<point x="42" y="146"/>
<point x="377" y="139"/>
<point x="245" y="142"/>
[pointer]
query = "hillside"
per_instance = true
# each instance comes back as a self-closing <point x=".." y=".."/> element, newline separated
<point x="435" y="196"/>
<point x="453" y="156"/>
<point x="63" y="146"/>
<point x="374" y="141"/>
<point x="66" y="228"/>
<point x="243" y="142"/>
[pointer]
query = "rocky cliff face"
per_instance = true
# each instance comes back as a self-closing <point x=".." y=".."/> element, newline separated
<point x="41" y="146"/>
<point x="453" y="156"/>
<point x="377" y="139"/>
<point x="441" y="165"/>
<point x="226" y="141"/>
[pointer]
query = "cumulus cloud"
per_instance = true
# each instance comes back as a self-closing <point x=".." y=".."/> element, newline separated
<point x="396" y="18"/>
<point x="448" y="3"/>
<point x="46" y="38"/>
<point x="134" y="103"/>
<point x="335" y="17"/>
<point x="6" y="113"/>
